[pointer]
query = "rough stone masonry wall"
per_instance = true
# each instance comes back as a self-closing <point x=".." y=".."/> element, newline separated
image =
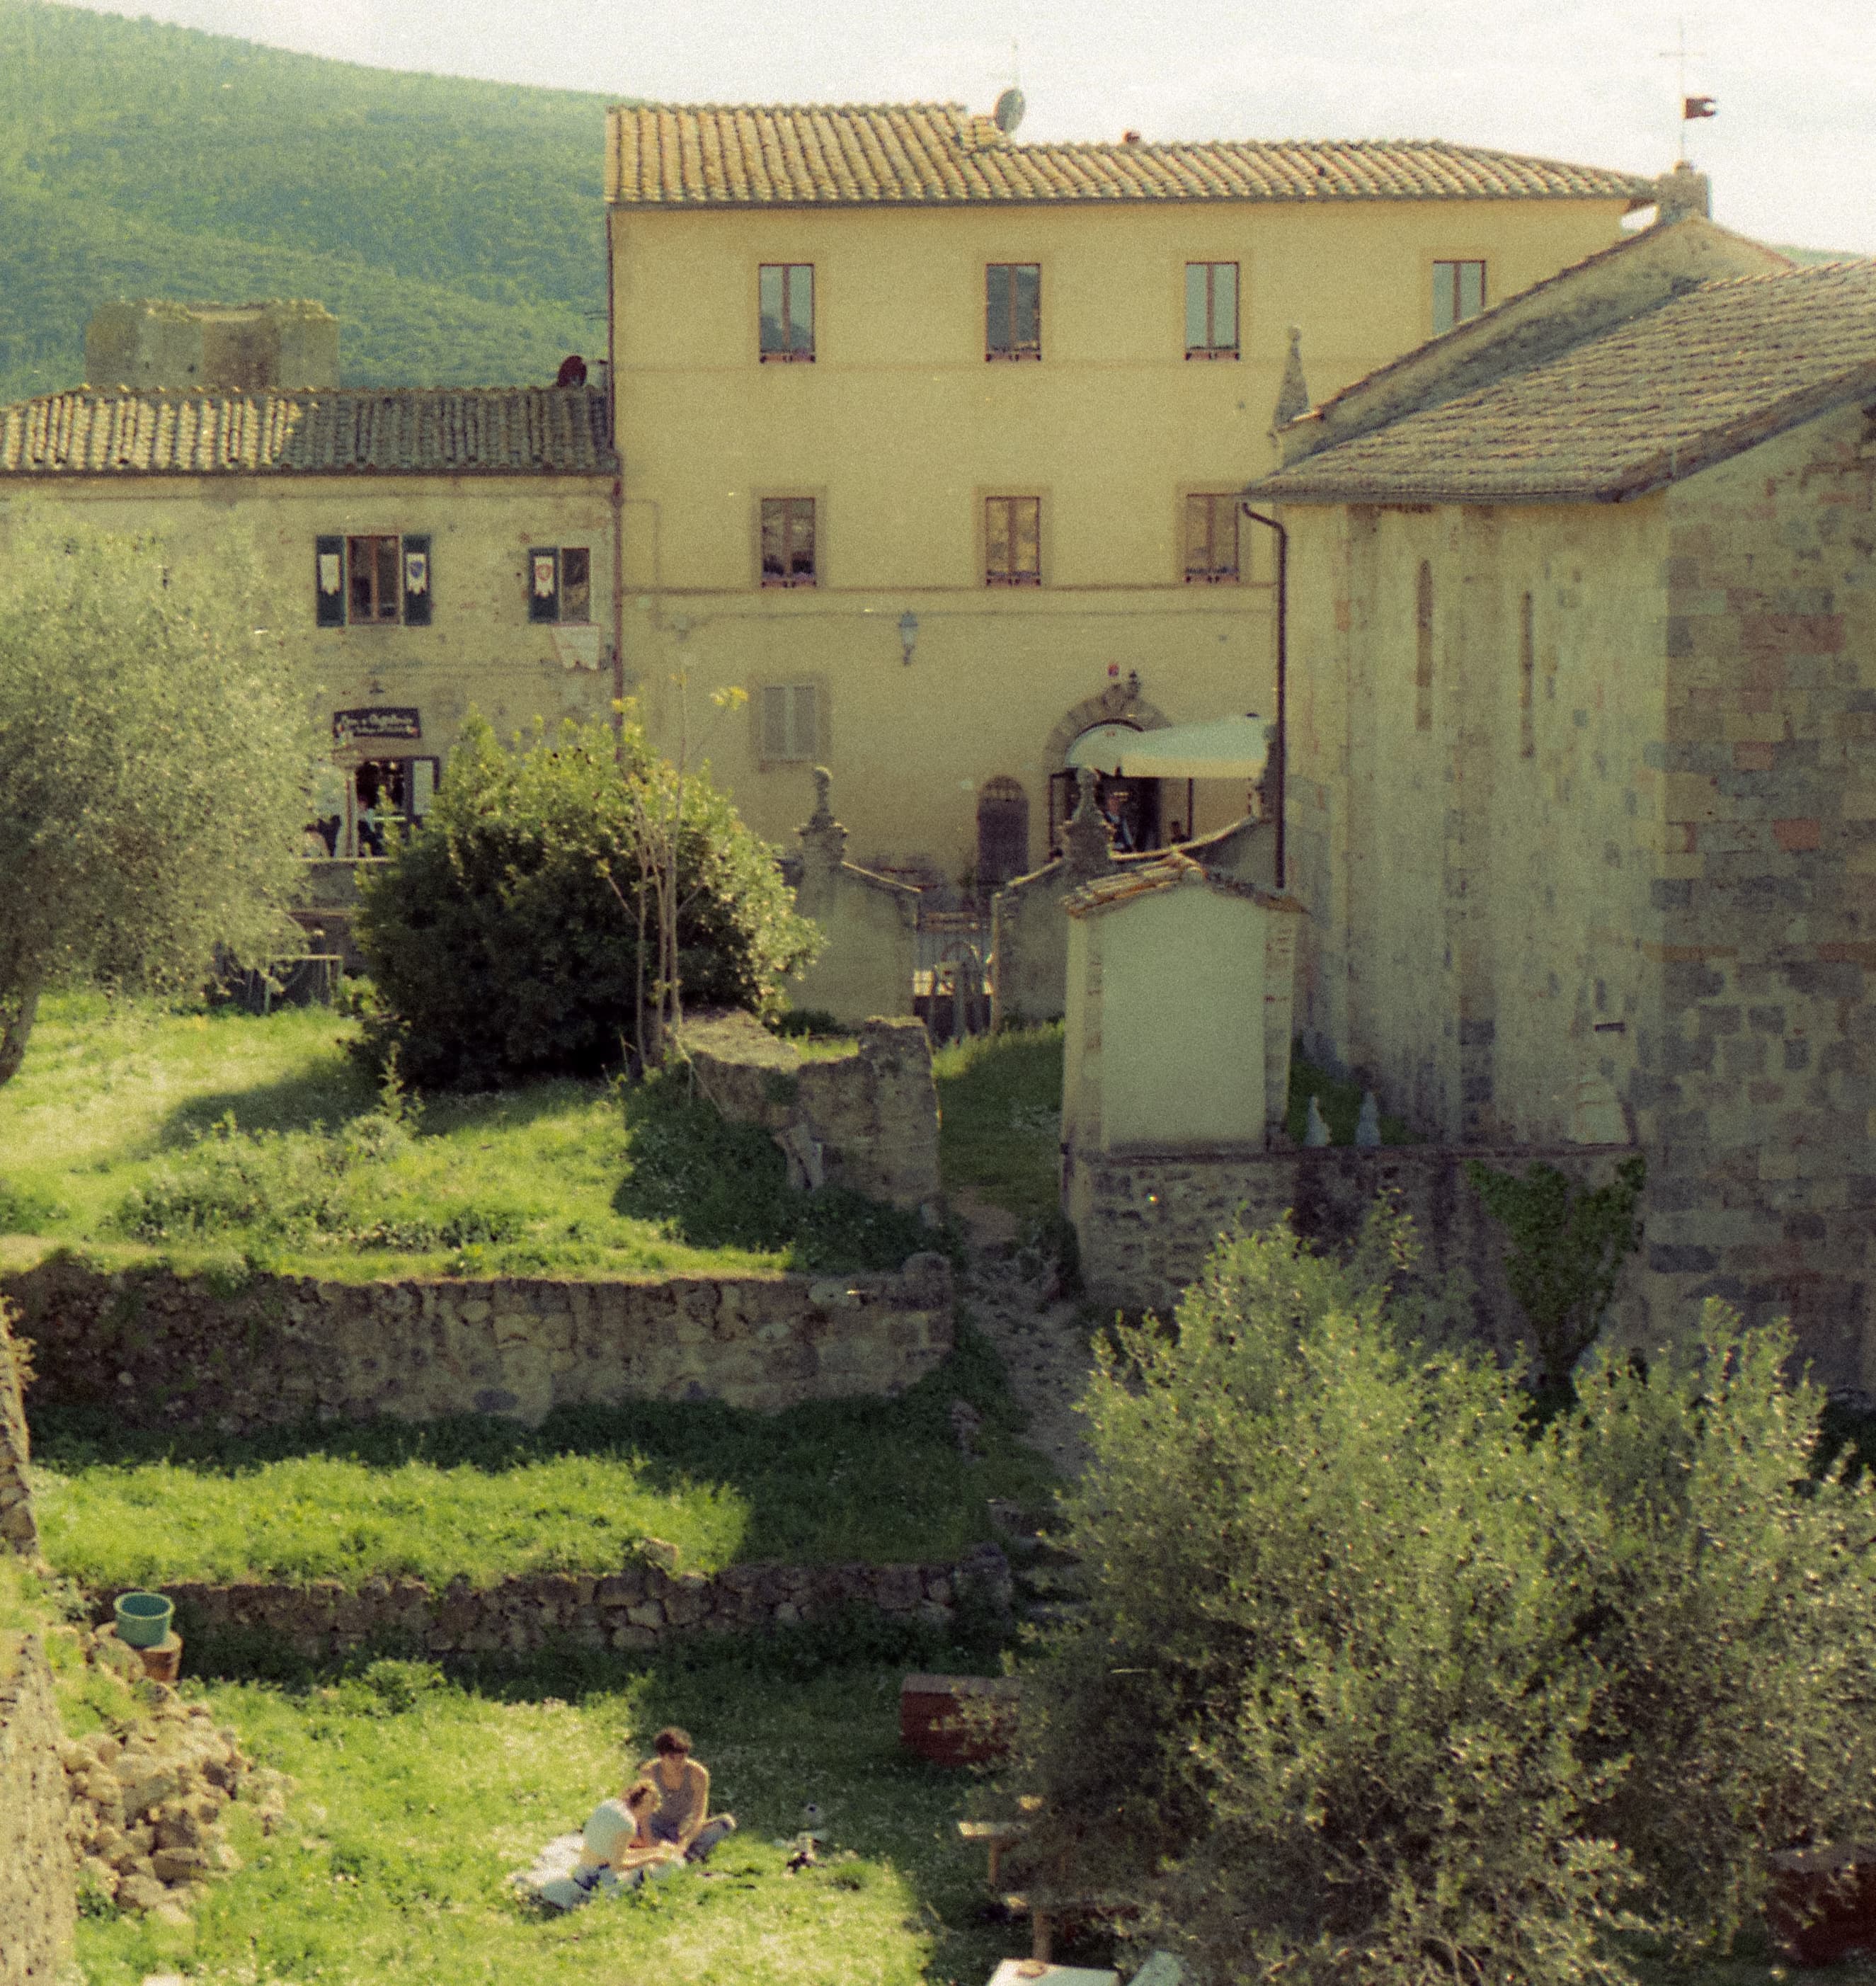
<point x="1153" y="1218"/>
<point x="37" y="1898"/>
<point x="868" y="1120"/>
<point x="165" y="1349"/>
<point x="637" y="1607"/>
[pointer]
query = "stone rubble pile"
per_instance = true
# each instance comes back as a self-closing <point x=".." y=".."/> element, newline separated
<point x="148" y="1802"/>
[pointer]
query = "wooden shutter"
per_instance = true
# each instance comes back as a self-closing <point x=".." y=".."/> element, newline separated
<point x="544" y="577"/>
<point x="791" y="721"/>
<point x="329" y="564"/>
<point x="419" y="587"/>
<point x="804" y="718"/>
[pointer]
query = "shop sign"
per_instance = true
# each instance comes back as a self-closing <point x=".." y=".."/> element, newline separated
<point x="365" y="726"/>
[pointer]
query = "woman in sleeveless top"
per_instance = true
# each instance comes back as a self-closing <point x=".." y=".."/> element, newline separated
<point x="684" y="1818"/>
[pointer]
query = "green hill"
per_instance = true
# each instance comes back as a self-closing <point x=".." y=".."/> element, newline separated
<point x="455" y="228"/>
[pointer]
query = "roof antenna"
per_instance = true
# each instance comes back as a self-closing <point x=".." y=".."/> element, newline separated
<point x="1691" y="107"/>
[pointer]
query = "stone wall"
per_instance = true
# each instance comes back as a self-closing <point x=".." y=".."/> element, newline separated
<point x="38" y="1904"/>
<point x="167" y="1350"/>
<point x="867" y="1119"/>
<point x="1153" y="1218"/>
<point x="868" y="925"/>
<point x="636" y="1608"/>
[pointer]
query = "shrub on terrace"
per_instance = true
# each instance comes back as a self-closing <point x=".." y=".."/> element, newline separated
<point x="517" y="935"/>
<point x="1396" y="1688"/>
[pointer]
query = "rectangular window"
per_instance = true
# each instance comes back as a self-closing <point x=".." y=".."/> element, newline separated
<point x="787" y="308"/>
<point x="1013" y="310"/>
<point x="559" y="583"/>
<point x="375" y="571"/>
<point x="1012" y="541"/>
<point x="1211" y="310"/>
<point x="791" y="721"/>
<point x="788" y="541"/>
<point x="1458" y="293"/>
<point x="1211" y="539"/>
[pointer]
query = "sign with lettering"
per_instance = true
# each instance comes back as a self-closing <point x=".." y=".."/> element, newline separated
<point x="361" y="726"/>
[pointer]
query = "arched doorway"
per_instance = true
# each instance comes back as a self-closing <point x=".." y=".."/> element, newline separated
<point x="1003" y="833"/>
<point x="1134" y="805"/>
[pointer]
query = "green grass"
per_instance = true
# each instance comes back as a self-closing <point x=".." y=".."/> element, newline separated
<point x="1002" y="1099"/>
<point x="417" y="1797"/>
<point x="210" y="1138"/>
<point x="1341" y="1100"/>
<point x="876" y="1480"/>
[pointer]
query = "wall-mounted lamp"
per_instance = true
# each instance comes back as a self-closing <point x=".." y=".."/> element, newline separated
<point x="908" y="634"/>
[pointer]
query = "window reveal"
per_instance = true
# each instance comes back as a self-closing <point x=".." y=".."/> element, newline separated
<point x="1013" y="310"/>
<point x="1211" y="539"/>
<point x="788" y="541"/>
<point x="785" y="304"/>
<point x="1211" y="310"/>
<point x="1458" y="293"/>
<point x="1012" y="541"/>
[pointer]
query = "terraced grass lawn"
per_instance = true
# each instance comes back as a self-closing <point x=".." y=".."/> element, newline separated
<point x="1001" y="1138"/>
<point x="219" y="1139"/>
<point x="417" y="1797"/>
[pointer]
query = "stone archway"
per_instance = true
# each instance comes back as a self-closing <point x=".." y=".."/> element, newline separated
<point x="1119" y="702"/>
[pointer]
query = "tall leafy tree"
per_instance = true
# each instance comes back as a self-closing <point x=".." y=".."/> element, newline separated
<point x="155" y="758"/>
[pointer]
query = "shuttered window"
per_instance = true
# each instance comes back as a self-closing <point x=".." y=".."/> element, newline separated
<point x="329" y="582"/>
<point x="381" y="580"/>
<point x="1012" y="541"/>
<point x="788" y="541"/>
<point x="417" y="595"/>
<point x="791" y="721"/>
<point x="1211" y="539"/>
<point x="559" y="583"/>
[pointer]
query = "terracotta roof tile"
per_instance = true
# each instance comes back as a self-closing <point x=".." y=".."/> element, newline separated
<point x="1168" y="871"/>
<point x="1700" y="378"/>
<point x="832" y="155"/>
<point x="429" y="430"/>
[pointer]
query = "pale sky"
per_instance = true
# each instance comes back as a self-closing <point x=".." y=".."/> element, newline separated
<point x="1792" y="153"/>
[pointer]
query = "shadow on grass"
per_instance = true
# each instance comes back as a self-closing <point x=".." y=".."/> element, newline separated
<point x="874" y="1480"/>
<point x="330" y="1096"/>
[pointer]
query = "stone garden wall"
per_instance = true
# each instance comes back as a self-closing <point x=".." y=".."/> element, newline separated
<point x="37" y="1882"/>
<point x="637" y="1607"/>
<point x="167" y="1350"/>
<point x="1152" y="1217"/>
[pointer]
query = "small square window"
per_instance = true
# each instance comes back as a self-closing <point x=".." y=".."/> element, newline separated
<point x="1211" y="310"/>
<point x="791" y="722"/>
<point x="788" y="541"/>
<point x="1211" y="539"/>
<point x="1458" y="293"/>
<point x="786" y="307"/>
<point x="1013" y="310"/>
<point x="1012" y="541"/>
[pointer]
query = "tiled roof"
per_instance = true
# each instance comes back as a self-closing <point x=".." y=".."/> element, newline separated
<point x="1700" y="378"/>
<point x="1166" y="871"/>
<point x="846" y="155"/>
<point x="427" y="430"/>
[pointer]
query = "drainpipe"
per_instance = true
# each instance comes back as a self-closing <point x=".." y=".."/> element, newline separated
<point x="1274" y="779"/>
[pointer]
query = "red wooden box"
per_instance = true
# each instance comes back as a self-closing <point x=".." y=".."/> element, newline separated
<point x="934" y="1722"/>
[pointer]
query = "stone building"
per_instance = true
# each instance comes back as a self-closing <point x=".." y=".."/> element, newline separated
<point x="931" y="436"/>
<point x="232" y="347"/>
<point x="1581" y="752"/>
<point x="425" y="550"/>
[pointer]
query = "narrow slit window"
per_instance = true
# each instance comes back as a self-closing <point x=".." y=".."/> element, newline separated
<point x="1012" y="541"/>
<point x="788" y="541"/>
<point x="1526" y="679"/>
<point x="1423" y="649"/>
<point x="1013" y="310"/>
<point x="786" y="306"/>
<point x="1458" y="293"/>
<point x="1211" y="539"/>
<point x="1211" y="310"/>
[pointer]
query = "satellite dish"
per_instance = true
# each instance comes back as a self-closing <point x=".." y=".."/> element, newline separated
<point x="1009" y="112"/>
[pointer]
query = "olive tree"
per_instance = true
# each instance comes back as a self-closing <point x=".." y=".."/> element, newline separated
<point x="156" y="755"/>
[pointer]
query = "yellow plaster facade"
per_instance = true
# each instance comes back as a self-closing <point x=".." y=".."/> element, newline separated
<point x="900" y="429"/>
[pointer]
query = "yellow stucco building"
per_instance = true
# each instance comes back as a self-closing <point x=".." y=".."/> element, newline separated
<point x="425" y="551"/>
<point x="931" y="438"/>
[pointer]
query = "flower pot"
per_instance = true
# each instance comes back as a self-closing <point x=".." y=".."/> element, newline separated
<point x="143" y="1619"/>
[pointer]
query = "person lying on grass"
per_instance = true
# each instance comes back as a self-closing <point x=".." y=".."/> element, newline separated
<point x="619" y="1838"/>
<point x="684" y="1819"/>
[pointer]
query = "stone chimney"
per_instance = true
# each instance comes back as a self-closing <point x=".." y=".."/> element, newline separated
<point x="1683" y="192"/>
<point x="218" y="347"/>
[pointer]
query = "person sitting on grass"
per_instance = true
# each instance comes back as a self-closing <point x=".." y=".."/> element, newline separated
<point x="684" y="1819"/>
<point x="620" y="1842"/>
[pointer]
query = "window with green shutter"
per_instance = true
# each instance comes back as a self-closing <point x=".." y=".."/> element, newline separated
<point x="418" y="594"/>
<point x="329" y="581"/>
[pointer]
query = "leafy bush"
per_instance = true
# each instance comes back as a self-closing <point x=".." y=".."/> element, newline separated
<point x="512" y="937"/>
<point x="1379" y="1684"/>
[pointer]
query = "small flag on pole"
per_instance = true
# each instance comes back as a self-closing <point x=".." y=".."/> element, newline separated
<point x="1698" y="106"/>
